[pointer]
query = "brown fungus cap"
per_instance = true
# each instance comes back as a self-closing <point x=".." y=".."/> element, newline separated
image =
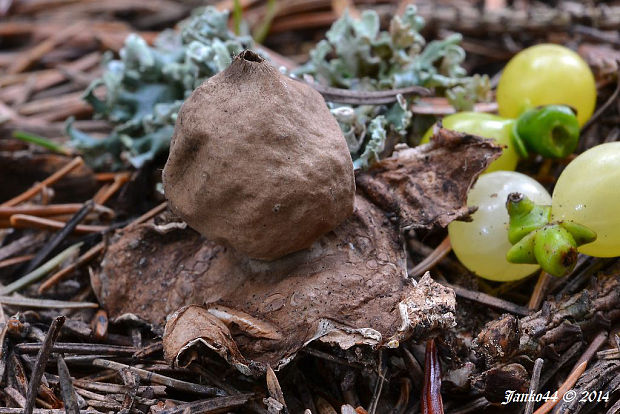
<point x="258" y="162"/>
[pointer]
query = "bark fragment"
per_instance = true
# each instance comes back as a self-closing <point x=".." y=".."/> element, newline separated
<point x="553" y="332"/>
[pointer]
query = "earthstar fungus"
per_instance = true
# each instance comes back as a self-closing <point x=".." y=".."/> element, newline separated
<point x="258" y="162"/>
<point x="349" y="288"/>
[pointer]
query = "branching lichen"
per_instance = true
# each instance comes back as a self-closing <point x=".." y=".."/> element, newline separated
<point x="144" y="89"/>
<point x="141" y="92"/>
<point x="357" y="55"/>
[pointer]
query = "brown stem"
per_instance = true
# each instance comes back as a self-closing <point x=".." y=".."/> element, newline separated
<point x="567" y="385"/>
<point x="77" y="162"/>
<point x="432" y="259"/>
<point x="431" y="391"/>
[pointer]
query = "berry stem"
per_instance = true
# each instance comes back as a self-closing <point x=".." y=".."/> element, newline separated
<point x="551" y="131"/>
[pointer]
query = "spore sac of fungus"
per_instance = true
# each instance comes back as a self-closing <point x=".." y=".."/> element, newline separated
<point x="258" y="162"/>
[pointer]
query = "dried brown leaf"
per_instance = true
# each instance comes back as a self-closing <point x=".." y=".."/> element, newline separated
<point x="428" y="184"/>
<point x="193" y="326"/>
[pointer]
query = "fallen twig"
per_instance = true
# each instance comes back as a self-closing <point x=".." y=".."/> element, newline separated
<point x="441" y="251"/>
<point x="566" y="385"/>
<point x="594" y="346"/>
<point x="15" y="260"/>
<point x="67" y="392"/>
<point x="161" y="379"/>
<point x="538" y="294"/>
<point x="382" y="372"/>
<point x="41" y="271"/>
<point x="211" y="405"/>
<point x="37" y="52"/>
<point x="61" y="274"/>
<point x="58" y="238"/>
<point x="601" y="110"/>
<point x="45" y="303"/>
<point x="52" y="210"/>
<point x="487" y="299"/>
<point x="77" y="162"/>
<point x="534" y="382"/>
<point x="23" y="221"/>
<point x="78" y="348"/>
<point x="39" y="367"/>
<point x="119" y="180"/>
<point x="353" y="97"/>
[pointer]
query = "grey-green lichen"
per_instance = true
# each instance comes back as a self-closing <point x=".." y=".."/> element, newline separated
<point x="144" y="89"/>
<point x="357" y="55"/>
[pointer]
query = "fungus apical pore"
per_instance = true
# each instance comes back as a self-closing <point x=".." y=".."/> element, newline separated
<point x="258" y="162"/>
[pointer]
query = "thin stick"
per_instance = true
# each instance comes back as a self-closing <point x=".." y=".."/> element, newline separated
<point x="17" y="246"/>
<point x="567" y="385"/>
<point x="16" y="396"/>
<point x="615" y="409"/>
<point x="148" y="215"/>
<point x="63" y="273"/>
<point x="331" y="358"/>
<point x="51" y="210"/>
<point x="158" y="390"/>
<point x="41" y="271"/>
<point x="348" y="96"/>
<point x="119" y="180"/>
<point x="420" y="248"/>
<point x="534" y="383"/>
<point x="108" y="388"/>
<point x="28" y="194"/>
<point x="77" y="348"/>
<point x="594" y="346"/>
<point x="413" y="367"/>
<point x="45" y="303"/>
<point x="441" y="106"/>
<point x="211" y="405"/>
<point x="43" y="411"/>
<point x="160" y="379"/>
<point x="22" y="221"/>
<point x="39" y="367"/>
<point x="15" y="260"/>
<point x="432" y="259"/>
<point x="102" y="190"/>
<point x="612" y="99"/>
<point x="148" y="350"/>
<point x="55" y="241"/>
<point x="90" y="395"/>
<point x="37" y="52"/>
<point x="132" y="382"/>
<point x="539" y="291"/>
<point x="566" y="356"/>
<point x="67" y="392"/>
<point x="372" y="407"/>
<point x="487" y="299"/>
<point x="107" y="176"/>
